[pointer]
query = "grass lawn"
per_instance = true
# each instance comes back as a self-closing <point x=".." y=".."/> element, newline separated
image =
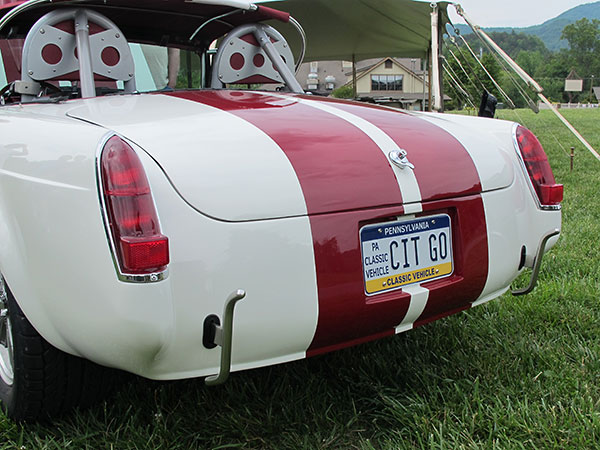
<point x="519" y="372"/>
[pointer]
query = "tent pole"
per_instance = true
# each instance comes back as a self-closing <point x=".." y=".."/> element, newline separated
<point x="435" y="60"/>
<point x="353" y="76"/>
<point x="424" y="69"/>
<point x="440" y="62"/>
<point x="429" y="105"/>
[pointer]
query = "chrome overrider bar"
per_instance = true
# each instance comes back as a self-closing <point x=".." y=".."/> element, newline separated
<point x="537" y="264"/>
<point x="223" y="337"/>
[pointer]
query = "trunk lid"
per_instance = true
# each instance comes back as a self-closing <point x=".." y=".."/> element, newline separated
<point x="239" y="156"/>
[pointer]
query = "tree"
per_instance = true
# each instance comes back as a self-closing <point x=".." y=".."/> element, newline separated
<point x="529" y="52"/>
<point x="551" y="75"/>
<point x="583" y="37"/>
<point x="531" y="60"/>
<point x="512" y="42"/>
<point x="470" y="76"/>
<point x="343" y="92"/>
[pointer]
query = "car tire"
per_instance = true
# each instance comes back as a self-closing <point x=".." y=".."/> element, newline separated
<point x="38" y="381"/>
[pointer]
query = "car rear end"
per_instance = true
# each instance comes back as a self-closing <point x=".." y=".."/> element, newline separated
<point x="304" y="209"/>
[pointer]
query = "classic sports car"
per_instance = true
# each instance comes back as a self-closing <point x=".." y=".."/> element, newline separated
<point x="134" y="217"/>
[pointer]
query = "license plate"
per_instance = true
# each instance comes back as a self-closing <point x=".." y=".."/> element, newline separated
<point x="396" y="254"/>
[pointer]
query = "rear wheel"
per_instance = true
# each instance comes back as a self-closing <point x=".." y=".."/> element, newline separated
<point x="6" y="343"/>
<point x="38" y="381"/>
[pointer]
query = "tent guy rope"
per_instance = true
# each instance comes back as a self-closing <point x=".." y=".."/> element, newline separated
<point x="525" y="77"/>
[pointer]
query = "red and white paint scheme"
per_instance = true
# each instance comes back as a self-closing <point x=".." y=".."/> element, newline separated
<point x="127" y="220"/>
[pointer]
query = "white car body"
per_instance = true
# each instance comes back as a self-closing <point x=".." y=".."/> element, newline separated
<point x="268" y="193"/>
<point x="55" y="248"/>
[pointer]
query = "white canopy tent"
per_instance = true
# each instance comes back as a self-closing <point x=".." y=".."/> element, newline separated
<point x="353" y="30"/>
<point x="361" y="29"/>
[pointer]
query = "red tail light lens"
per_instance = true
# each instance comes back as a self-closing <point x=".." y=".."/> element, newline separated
<point x="549" y="193"/>
<point x="139" y="244"/>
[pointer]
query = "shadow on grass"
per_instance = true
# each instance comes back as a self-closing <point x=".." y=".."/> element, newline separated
<point x="336" y="400"/>
<point x="333" y="399"/>
<point x="499" y="372"/>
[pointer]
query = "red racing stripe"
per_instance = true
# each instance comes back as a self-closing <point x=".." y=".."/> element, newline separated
<point x="346" y="315"/>
<point x="470" y="244"/>
<point x="443" y="167"/>
<point x="344" y="174"/>
<point x="339" y="167"/>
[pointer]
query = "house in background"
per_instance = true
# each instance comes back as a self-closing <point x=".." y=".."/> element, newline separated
<point x="393" y="82"/>
<point x="396" y="82"/>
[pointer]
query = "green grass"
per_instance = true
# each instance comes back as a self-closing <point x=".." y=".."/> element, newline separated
<point x="515" y="373"/>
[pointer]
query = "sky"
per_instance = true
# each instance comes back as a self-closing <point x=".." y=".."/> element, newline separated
<point x="513" y="13"/>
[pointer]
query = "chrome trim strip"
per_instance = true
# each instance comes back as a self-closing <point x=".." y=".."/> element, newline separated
<point x="524" y="169"/>
<point x="125" y="277"/>
<point x="537" y="264"/>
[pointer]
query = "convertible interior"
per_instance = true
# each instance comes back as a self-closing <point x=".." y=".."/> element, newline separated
<point x="92" y="48"/>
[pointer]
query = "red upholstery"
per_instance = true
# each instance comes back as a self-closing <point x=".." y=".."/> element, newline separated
<point x="11" y="56"/>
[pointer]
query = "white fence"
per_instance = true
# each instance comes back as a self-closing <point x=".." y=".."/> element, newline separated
<point x="570" y="105"/>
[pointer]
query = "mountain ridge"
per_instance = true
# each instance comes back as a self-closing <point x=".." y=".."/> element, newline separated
<point x="549" y="31"/>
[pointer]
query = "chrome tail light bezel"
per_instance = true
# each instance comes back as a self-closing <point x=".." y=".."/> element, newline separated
<point x="122" y="275"/>
<point x="539" y="204"/>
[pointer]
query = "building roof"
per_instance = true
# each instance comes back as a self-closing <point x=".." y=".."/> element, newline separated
<point x="372" y="67"/>
<point x="374" y="64"/>
<point x="573" y="76"/>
